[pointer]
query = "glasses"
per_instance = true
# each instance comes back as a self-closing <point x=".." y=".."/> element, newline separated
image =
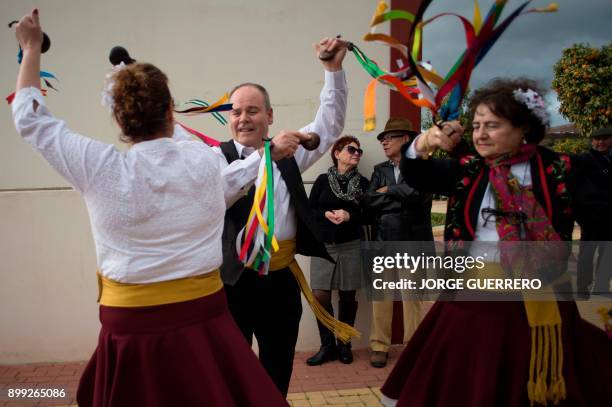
<point x="514" y="218"/>
<point x="352" y="150"/>
<point x="389" y="137"/>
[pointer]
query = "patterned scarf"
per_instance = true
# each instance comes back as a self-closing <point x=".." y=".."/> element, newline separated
<point x="353" y="192"/>
<point x="524" y="219"/>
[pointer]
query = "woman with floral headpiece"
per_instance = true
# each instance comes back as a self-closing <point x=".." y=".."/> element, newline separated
<point x="509" y="351"/>
<point x="167" y="337"/>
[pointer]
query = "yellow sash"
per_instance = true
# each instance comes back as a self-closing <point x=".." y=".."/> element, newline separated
<point x="285" y="257"/>
<point x="115" y="294"/>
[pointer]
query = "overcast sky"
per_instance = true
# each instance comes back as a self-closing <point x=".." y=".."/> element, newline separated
<point x="530" y="46"/>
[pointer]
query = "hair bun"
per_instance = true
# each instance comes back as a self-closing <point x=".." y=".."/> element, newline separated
<point x="142" y="101"/>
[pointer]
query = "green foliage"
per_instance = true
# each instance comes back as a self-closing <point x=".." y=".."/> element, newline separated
<point x="570" y="145"/>
<point x="437" y="219"/>
<point x="582" y="80"/>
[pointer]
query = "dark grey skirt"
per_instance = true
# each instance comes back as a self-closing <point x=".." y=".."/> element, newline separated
<point x="345" y="275"/>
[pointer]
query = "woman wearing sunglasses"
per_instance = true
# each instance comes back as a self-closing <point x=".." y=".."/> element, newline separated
<point x="336" y="200"/>
<point x="511" y="350"/>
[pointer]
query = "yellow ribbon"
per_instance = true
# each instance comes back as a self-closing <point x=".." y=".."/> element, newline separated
<point x="285" y="257"/>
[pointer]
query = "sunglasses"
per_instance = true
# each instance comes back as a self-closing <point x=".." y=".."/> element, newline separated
<point x="352" y="150"/>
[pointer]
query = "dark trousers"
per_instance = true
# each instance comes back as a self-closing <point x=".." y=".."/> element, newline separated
<point x="269" y="307"/>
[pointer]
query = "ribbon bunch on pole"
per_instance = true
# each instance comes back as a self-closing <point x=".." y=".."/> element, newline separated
<point x="256" y="241"/>
<point x="416" y="80"/>
<point x="45" y="76"/>
<point x="202" y="106"/>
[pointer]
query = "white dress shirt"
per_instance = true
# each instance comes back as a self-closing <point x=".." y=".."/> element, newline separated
<point x="156" y="211"/>
<point x="240" y="175"/>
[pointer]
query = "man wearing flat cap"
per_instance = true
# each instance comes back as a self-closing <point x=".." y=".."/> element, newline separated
<point x="594" y="213"/>
<point x="401" y="213"/>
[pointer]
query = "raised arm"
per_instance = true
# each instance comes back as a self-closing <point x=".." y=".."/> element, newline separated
<point x="78" y="159"/>
<point x="29" y="34"/>
<point x="330" y="117"/>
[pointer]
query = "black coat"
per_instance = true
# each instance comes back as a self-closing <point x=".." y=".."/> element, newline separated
<point x="593" y="198"/>
<point x="402" y="213"/>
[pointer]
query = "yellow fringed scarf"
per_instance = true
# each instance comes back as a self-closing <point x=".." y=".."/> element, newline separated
<point x="546" y="381"/>
<point x="285" y="257"/>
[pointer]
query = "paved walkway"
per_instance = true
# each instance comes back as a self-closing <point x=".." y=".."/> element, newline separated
<point x="332" y="383"/>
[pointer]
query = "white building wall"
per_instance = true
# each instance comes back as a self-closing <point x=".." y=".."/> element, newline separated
<point x="47" y="270"/>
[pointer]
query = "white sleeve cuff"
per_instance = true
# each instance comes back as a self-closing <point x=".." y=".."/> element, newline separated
<point x="335" y="80"/>
<point x="411" y="151"/>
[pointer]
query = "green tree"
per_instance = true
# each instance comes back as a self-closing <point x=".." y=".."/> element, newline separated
<point x="582" y="80"/>
<point x="570" y="145"/>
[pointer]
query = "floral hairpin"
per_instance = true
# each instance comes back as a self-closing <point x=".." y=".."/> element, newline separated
<point x="534" y="102"/>
<point x="107" y="92"/>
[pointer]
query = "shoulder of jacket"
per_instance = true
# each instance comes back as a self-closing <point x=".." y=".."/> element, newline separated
<point x="382" y="165"/>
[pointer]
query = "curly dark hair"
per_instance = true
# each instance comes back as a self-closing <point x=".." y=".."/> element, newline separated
<point x="339" y="145"/>
<point x="498" y="96"/>
<point x="141" y="102"/>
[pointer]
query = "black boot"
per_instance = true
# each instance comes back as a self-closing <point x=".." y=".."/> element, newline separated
<point x="328" y="350"/>
<point x="344" y="353"/>
<point x="346" y="314"/>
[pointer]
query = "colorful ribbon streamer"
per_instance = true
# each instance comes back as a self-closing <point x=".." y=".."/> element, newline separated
<point x="418" y="82"/>
<point x="256" y="241"/>
<point x="203" y="107"/>
<point x="208" y="140"/>
<point x="44" y="76"/>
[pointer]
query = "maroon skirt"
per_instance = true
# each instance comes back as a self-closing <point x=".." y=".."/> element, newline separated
<point x="184" y="354"/>
<point x="477" y="354"/>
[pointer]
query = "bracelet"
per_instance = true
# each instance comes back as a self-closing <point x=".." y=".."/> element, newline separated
<point x="428" y="151"/>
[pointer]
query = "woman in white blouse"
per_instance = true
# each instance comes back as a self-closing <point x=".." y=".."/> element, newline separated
<point x="156" y="212"/>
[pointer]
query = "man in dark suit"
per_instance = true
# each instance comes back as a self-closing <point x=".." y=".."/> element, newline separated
<point x="269" y="307"/>
<point x="594" y="212"/>
<point x="401" y="213"/>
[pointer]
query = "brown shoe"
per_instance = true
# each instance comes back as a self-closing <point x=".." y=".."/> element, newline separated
<point x="378" y="358"/>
